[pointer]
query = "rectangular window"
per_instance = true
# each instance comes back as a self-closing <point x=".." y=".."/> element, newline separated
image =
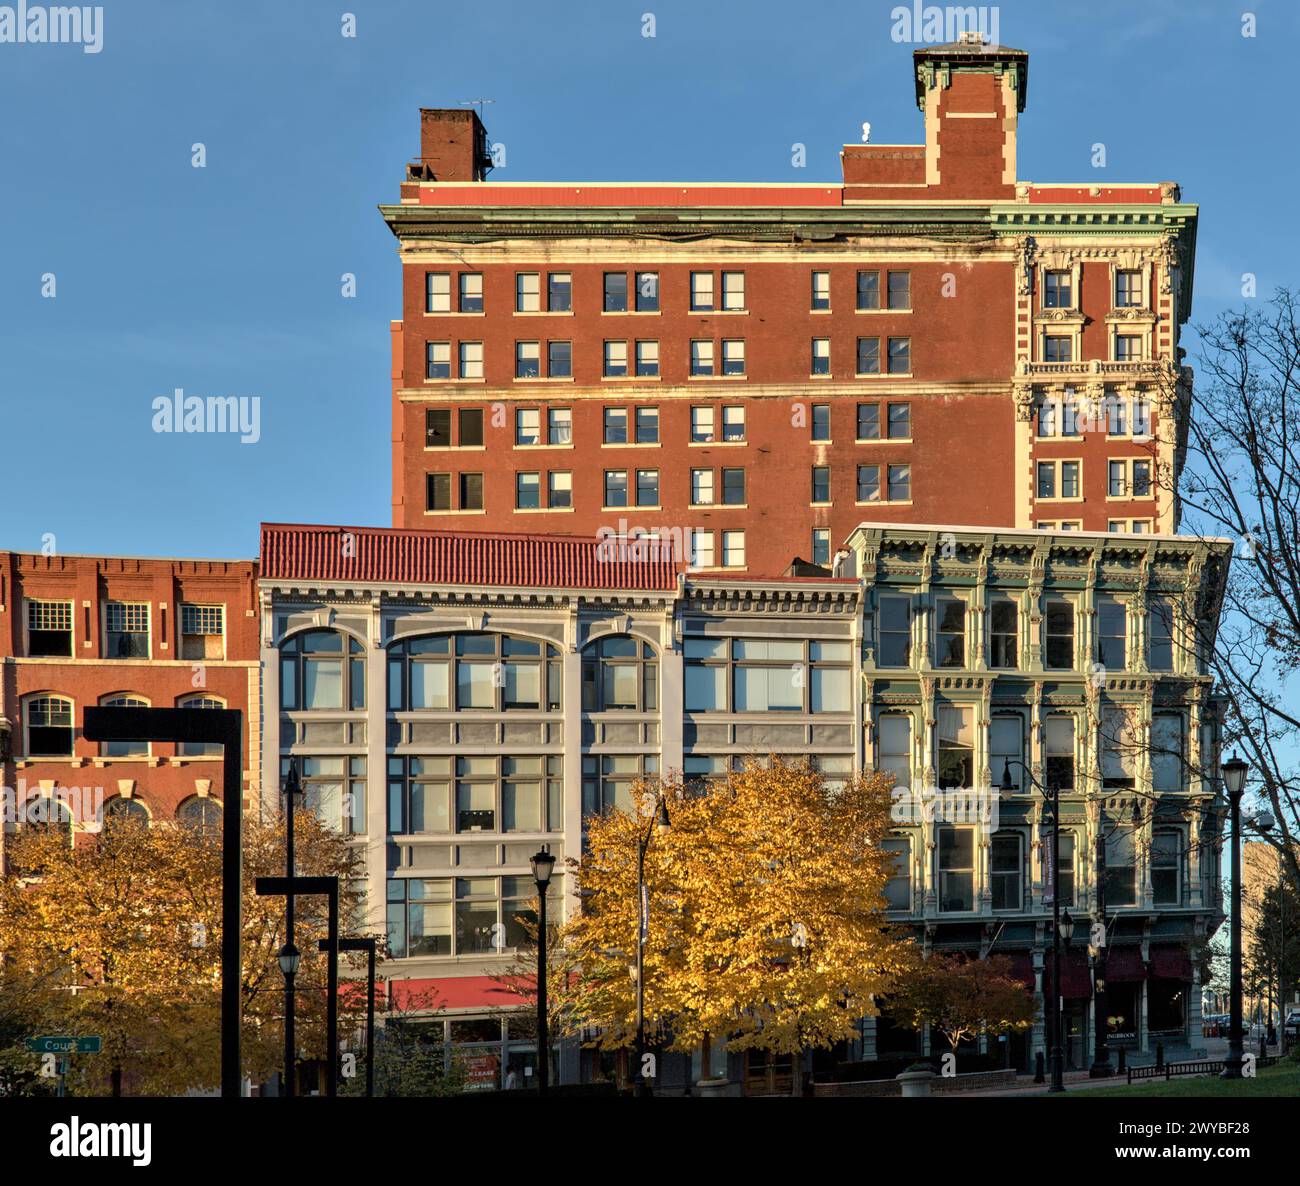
<point x="1058" y="751"/>
<point x="559" y="489"/>
<point x="1006" y="748"/>
<point x="528" y="292"/>
<point x="471" y="360"/>
<point x="203" y="629"/>
<point x="900" y="356"/>
<point x="647" y="426"/>
<point x="701" y="357"/>
<point x="821" y="422"/>
<point x="733" y="549"/>
<point x="1119" y="745"/>
<point x="821" y="356"/>
<point x="1166" y="868"/>
<point x="616" y="426"/>
<point x="647" y="359"/>
<point x="1003" y="636"/>
<point x="469" y="425"/>
<point x="437" y="292"/>
<point x="956" y="869"/>
<point x="1058" y="635"/>
<point x="1112" y="628"/>
<point x="868" y="483"/>
<point x="1141" y="479"/>
<point x="1160" y="636"/>
<point x="955" y="767"/>
<point x="471" y="492"/>
<point x="701" y="549"/>
<point x="647" y="292"/>
<point x="868" y="422"/>
<point x="821" y="290"/>
<point x="701" y="424"/>
<point x="733" y="487"/>
<point x="900" y="422"/>
<point x="898" y="888"/>
<point x="1117" y="479"/>
<point x="821" y="483"/>
<point x="950" y="632"/>
<point x="559" y="360"/>
<point x="1141" y="417"/>
<point x="1057" y="290"/>
<point x="1065" y="878"/>
<point x="1047" y="479"/>
<point x="49" y="629"/>
<point x="900" y="483"/>
<point x="1005" y="871"/>
<point x="528" y="360"/>
<point x="733" y="290"/>
<point x="1167" y="771"/>
<point x="437" y="428"/>
<point x="733" y="356"/>
<point x="900" y="290"/>
<point x="821" y="546"/>
<point x="528" y="426"/>
<point x="701" y="487"/>
<point x="1128" y="289"/>
<point x="894" y="747"/>
<point x="733" y="423"/>
<point x="1116" y="416"/>
<point x="868" y="356"/>
<point x="437" y="360"/>
<point x="615" y="488"/>
<point x="471" y="292"/>
<point x="126" y="626"/>
<point x="894" y="632"/>
<point x="1058" y="348"/>
<point x="615" y="360"/>
<point x="528" y="491"/>
<point x="701" y="292"/>
<point x="1121" y="867"/>
<point x="869" y="290"/>
<point x="647" y="487"/>
<point x="1128" y="348"/>
<point x="1069" y="479"/>
<point x="559" y="426"/>
<point x="615" y="292"/>
<point x="559" y="292"/>
<point x="437" y="492"/>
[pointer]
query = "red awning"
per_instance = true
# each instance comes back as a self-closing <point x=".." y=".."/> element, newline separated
<point x="455" y="992"/>
<point x="1076" y="980"/>
<point x="1022" y="967"/>
<point x="1124" y="964"/>
<point x="1171" y="961"/>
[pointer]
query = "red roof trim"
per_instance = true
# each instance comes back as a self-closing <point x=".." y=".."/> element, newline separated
<point x="484" y="193"/>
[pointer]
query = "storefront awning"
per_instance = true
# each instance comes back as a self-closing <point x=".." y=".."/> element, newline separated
<point x="1124" y="964"/>
<point x="1171" y="961"/>
<point x="455" y="992"/>
<point x="1022" y="967"/>
<point x="1076" y="981"/>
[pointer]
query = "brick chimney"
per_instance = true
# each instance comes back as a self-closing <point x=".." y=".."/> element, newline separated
<point x="971" y="94"/>
<point x="453" y="146"/>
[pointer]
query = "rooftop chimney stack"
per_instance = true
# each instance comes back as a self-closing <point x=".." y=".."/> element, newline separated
<point x="453" y="146"/>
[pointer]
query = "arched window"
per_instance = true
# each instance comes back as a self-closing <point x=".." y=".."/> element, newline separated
<point x="46" y="813"/>
<point x="124" y="749"/>
<point x="201" y="814"/>
<point x="49" y="727"/>
<point x="620" y="674"/>
<point x="199" y="749"/>
<point x="120" y="810"/>
<point x="498" y="672"/>
<point x="322" y="669"/>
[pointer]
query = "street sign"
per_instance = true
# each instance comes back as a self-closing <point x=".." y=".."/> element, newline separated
<point x="89" y="1045"/>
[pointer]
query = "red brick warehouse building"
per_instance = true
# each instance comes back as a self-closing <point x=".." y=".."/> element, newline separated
<point x="930" y="339"/>
<point x="87" y="630"/>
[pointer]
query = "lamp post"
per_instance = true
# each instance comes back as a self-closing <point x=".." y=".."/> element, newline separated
<point x="367" y="945"/>
<point x="289" y="964"/>
<point x="1234" y="783"/>
<point x="543" y="866"/>
<point x="1052" y="796"/>
<point x="661" y="823"/>
<point x="1101" y="1068"/>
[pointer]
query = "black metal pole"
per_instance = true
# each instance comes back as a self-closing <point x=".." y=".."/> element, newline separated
<point x="290" y="1048"/>
<point x="642" y="1088"/>
<point x="543" y="1048"/>
<point x="1058" y="1083"/>
<point x="370" y="1022"/>
<point x="332" y="987"/>
<point x="1232" y="1064"/>
<point x="1100" y="1068"/>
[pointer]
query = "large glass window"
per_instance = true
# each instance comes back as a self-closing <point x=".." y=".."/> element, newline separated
<point x="898" y="889"/>
<point x="1112" y="625"/>
<point x="49" y="629"/>
<point x="1007" y="748"/>
<point x="1058" y="635"/>
<point x="1166" y="867"/>
<point x="955" y="767"/>
<point x="894" y="747"/>
<point x="894" y="632"/>
<point x="200" y="749"/>
<point x="1006" y="871"/>
<point x="124" y="749"/>
<point x="1058" y="746"/>
<point x="1121" y="867"/>
<point x="1167" y="772"/>
<point x="768" y="675"/>
<point x="620" y="674"/>
<point x="490" y="671"/>
<point x="1118" y="748"/>
<point x="607" y="781"/>
<point x="126" y="627"/>
<point x="1003" y="635"/>
<point x="950" y="632"/>
<point x="1160" y="636"/>
<point x="334" y="790"/>
<point x="201" y="814"/>
<point x="49" y="727"/>
<point x="956" y="869"/>
<point x="322" y="669"/>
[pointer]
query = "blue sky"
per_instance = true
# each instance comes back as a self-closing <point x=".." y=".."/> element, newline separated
<point x="225" y="280"/>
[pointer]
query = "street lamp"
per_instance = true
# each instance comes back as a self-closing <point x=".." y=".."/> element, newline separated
<point x="290" y="958"/>
<point x="543" y="866"/>
<point x="1234" y="782"/>
<point x="659" y="823"/>
<point x="289" y="965"/>
<point x="1052" y="796"/>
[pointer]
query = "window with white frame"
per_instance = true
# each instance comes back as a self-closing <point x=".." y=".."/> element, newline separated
<point x="528" y="426"/>
<point x="1167" y="867"/>
<point x="701" y="548"/>
<point x="1128" y="288"/>
<point x="203" y="629"/>
<point x="956" y="860"/>
<point x="701" y="292"/>
<point x="733" y="290"/>
<point x="124" y="749"/>
<point x="49" y="727"/>
<point x="1168" y="772"/>
<point x="821" y="290"/>
<point x="733" y="423"/>
<point x="1006" y="867"/>
<point x="1007" y="748"/>
<point x="559" y="426"/>
<point x="126" y="630"/>
<point x="437" y="292"/>
<point x="898" y="887"/>
<point x="701" y="487"/>
<point x="49" y="628"/>
<point x="733" y="549"/>
<point x="702" y="357"/>
<point x="955" y="734"/>
<point x="733" y="356"/>
<point x="894" y="747"/>
<point x="1129" y="478"/>
<point x="471" y="292"/>
<point x="471" y="360"/>
<point x="528" y="292"/>
<point x="702" y="424"/>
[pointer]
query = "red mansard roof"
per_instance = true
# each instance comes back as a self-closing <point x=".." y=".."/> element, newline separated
<point x="375" y="555"/>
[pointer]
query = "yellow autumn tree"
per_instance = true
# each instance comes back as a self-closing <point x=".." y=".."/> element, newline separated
<point x="120" y="937"/>
<point x="767" y="913"/>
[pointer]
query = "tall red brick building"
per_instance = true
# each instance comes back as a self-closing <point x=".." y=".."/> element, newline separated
<point x="930" y="339"/>
<point x="91" y="630"/>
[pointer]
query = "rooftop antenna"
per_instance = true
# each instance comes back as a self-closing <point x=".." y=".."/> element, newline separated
<point x="479" y="103"/>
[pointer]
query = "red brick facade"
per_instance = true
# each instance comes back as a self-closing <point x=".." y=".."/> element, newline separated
<point x="953" y="333"/>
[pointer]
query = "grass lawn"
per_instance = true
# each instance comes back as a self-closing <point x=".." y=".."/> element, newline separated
<point x="1279" y="1080"/>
